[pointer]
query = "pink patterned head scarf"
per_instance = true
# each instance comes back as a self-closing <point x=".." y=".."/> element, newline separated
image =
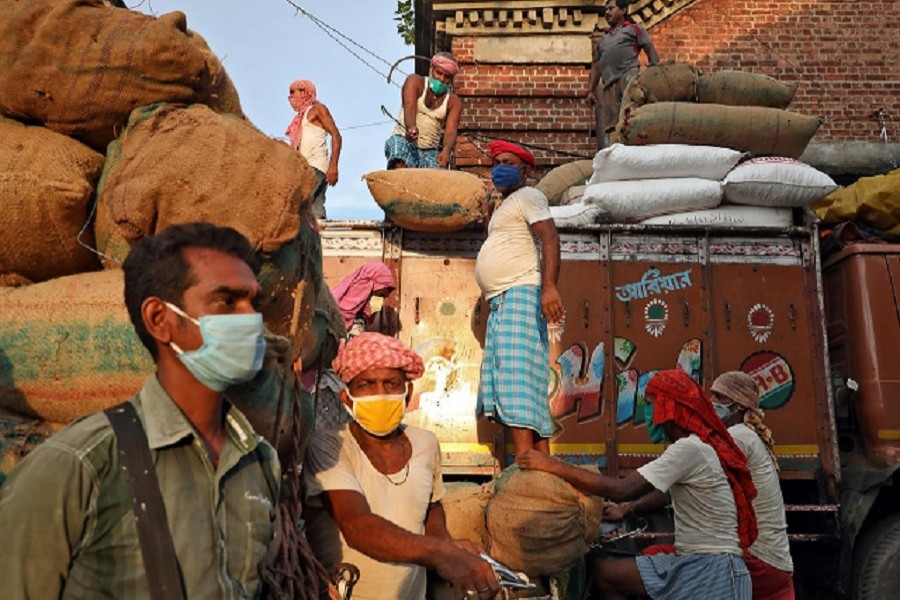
<point x="371" y="350"/>
<point x="354" y="291"/>
<point x="300" y="103"/>
<point x="445" y="61"/>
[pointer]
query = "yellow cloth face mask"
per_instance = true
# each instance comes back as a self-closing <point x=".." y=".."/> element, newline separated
<point x="380" y="415"/>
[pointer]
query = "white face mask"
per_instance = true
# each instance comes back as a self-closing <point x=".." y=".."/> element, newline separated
<point x="379" y="415"/>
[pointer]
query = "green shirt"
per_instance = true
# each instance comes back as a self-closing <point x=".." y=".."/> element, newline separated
<point x="66" y="519"/>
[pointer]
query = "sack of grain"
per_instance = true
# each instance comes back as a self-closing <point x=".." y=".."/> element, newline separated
<point x="729" y="216"/>
<point x="19" y="435"/>
<point x="81" y="66"/>
<point x="572" y="195"/>
<point x="539" y="524"/>
<point x="46" y="185"/>
<point x="69" y="347"/>
<point x="176" y="164"/>
<point x="874" y="201"/>
<point x="668" y="82"/>
<point x="663" y="161"/>
<point x="573" y="215"/>
<point x="270" y="399"/>
<point x="778" y="182"/>
<point x="756" y="129"/>
<point x="742" y="88"/>
<point x="464" y="508"/>
<point x="555" y="183"/>
<point x="644" y="198"/>
<point x="222" y="96"/>
<point x="428" y="199"/>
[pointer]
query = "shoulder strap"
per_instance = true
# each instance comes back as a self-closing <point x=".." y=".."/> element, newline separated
<point x="157" y="548"/>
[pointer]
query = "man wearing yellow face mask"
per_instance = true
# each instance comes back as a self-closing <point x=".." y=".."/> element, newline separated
<point x="374" y="486"/>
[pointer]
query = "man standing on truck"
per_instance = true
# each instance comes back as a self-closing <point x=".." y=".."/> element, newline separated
<point x="66" y="511"/>
<point x="430" y="119"/>
<point x="518" y="270"/>
<point x="707" y="476"/>
<point x="614" y="64"/>
<point x="736" y="400"/>
<point x="374" y="486"/>
<point x="307" y="132"/>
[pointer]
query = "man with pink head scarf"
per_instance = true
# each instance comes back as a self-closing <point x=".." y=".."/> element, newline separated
<point x="306" y="134"/>
<point x="374" y="485"/>
<point x="426" y="132"/>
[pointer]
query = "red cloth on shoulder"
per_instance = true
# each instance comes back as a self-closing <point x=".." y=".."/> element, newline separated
<point x="769" y="583"/>
<point x="679" y="399"/>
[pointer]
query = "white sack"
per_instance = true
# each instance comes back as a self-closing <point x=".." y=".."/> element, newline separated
<point x="729" y="216"/>
<point x="575" y="214"/>
<point x="642" y="199"/>
<point x="663" y="161"/>
<point x="776" y="181"/>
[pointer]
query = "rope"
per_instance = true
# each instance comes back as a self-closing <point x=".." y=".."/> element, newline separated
<point x="334" y="34"/>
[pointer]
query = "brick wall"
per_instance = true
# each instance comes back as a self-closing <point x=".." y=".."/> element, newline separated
<point x="846" y="55"/>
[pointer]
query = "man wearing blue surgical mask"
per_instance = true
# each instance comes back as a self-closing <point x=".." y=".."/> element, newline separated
<point x="426" y="133"/>
<point x="191" y="294"/>
<point x="518" y="270"/>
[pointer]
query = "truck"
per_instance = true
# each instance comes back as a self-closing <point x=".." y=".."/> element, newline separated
<point x="814" y="335"/>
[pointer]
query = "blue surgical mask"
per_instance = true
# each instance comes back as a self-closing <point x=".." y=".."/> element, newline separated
<point x="724" y="411"/>
<point x="232" y="352"/>
<point x="506" y="176"/>
<point x="437" y="86"/>
<point x="656" y="432"/>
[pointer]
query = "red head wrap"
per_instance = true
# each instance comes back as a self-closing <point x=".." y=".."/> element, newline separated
<point x="376" y="351"/>
<point x="679" y="399"/>
<point x="500" y="146"/>
<point x="445" y="61"/>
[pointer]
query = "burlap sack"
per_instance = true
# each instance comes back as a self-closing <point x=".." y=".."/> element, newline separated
<point x="46" y="184"/>
<point x="81" y="66"/>
<point x="742" y="88"/>
<point x="428" y="199"/>
<point x="756" y="129"/>
<point x="668" y="82"/>
<point x="539" y="524"/>
<point x="20" y="435"/>
<point x="555" y="183"/>
<point x="464" y="508"/>
<point x="222" y="96"/>
<point x="176" y="164"/>
<point x="68" y="347"/>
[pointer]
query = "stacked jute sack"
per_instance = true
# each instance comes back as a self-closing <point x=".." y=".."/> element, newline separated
<point x="683" y="135"/>
<point x="431" y="200"/>
<point x="530" y="521"/>
<point x="140" y="128"/>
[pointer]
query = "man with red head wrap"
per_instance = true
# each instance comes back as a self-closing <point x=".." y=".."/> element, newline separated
<point x="519" y="284"/>
<point x="712" y="493"/>
<point x="429" y="106"/>
<point x="307" y="132"/>
<point x="374" y="486"/>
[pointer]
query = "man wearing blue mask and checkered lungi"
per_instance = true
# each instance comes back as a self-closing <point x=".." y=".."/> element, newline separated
<point x="520" y="285"/>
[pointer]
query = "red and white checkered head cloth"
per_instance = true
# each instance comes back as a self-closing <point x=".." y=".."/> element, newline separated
<point x="376" y="351"/>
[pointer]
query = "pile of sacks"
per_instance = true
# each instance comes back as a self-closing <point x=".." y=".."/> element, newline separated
<point x="530" y="521"/>
<point x="713" y="149"/>
<point x="118" y="124"/>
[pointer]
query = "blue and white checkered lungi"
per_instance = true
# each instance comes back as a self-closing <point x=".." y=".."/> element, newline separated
<point x="515" y="370"/>
<point x="397" y="147"/>
<point x="691" y="576"/>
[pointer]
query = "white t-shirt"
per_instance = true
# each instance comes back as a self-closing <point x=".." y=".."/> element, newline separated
<point x="334" y="461"/>
<point x="705" y="513"/>
<point x="509" y="255"/>
<point x="771" y="546"/>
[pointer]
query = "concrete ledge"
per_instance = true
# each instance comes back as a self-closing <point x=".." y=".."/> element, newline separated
<point x="853" y="158"/>
<point x="538" y="49"/>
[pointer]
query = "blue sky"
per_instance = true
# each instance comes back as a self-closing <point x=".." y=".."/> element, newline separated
<point x="265" y="45"/>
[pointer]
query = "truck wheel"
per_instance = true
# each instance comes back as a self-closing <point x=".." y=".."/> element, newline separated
<point x="877" y="562"/>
